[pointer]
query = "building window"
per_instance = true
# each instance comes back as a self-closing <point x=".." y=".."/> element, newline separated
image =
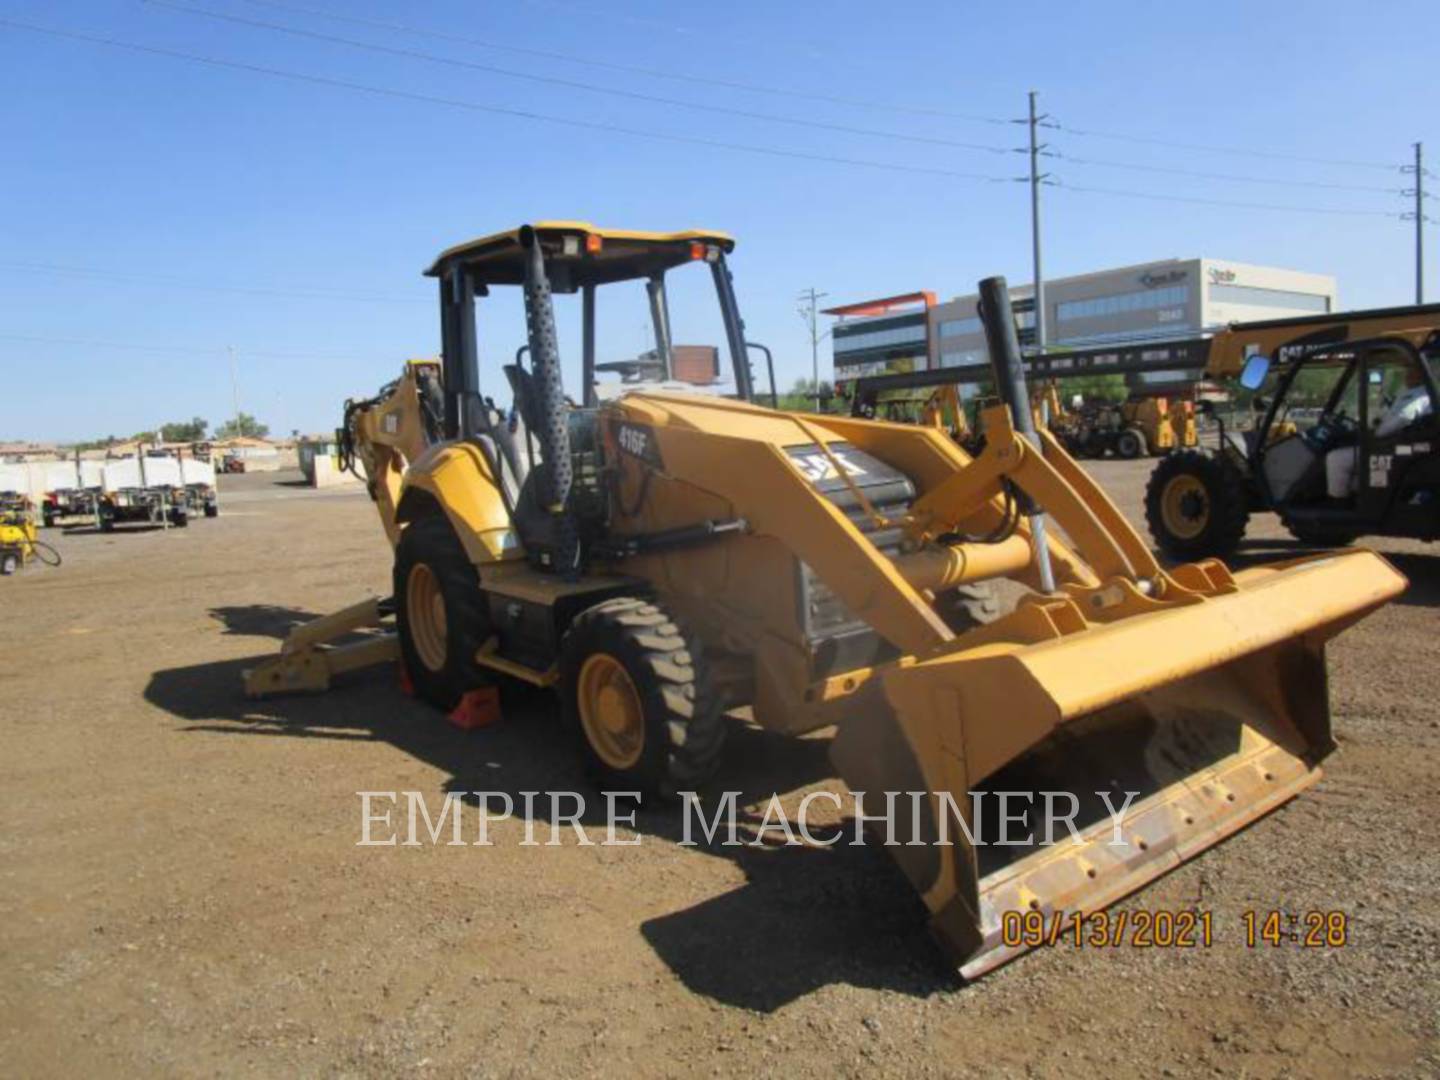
<point x="902" y="335"/>
<point x="956" y="327"/>
<point x="1122" y="303"/>
<point x="1158" y="333"/>
<point x="1257" y="297"/>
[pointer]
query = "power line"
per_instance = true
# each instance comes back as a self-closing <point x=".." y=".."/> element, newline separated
<point x="912" y="109"/>
<point x="691" y="140"/>
<point x="190" y="283"/>
<point x="631" y="69"/>
<point x="574" y="84"/>
<point x="1229" y="177"/>
<point x="1236" y="150"/>
<point x="496" y="110"/>
<point x="1198" y="200"/>
<point x="192" y="350"/>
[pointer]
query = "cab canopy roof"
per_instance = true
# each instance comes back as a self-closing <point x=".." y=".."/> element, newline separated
<point x="1283" y="340"/>
<point x="579" y="253"/>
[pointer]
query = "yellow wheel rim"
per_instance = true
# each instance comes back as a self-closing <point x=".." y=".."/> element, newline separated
<point x="425" y="613"/>
<point x="610" y="711"/>
<point x="1185" y="507"/>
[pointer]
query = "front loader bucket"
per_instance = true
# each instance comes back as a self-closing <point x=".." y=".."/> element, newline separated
<point x="1212" y="711"/>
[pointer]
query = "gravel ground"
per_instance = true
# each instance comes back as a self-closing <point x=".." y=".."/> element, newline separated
<point x="182" y="892"/>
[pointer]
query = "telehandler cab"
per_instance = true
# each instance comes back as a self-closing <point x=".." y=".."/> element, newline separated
<point x="1346" y="443"/>
<point x="660" y="559"/>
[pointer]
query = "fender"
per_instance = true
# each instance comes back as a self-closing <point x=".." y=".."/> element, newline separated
<point x="457" y="476"/>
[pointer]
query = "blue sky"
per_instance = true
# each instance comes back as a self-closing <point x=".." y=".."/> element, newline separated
<point x="157" y="210"/>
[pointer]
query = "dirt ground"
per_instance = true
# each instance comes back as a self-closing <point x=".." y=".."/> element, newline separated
<point x="181" y="892"/>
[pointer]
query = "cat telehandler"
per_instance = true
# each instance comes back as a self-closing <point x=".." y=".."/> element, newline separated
<point x="1324" y="452"/>
<point x="662" y="558"/>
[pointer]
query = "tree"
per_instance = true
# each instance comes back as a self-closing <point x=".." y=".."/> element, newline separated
<point x="1095" y="388"/>
<point x="183" y="431"/>
<point x="801" y="397"/>
<point x="244" y="425"/>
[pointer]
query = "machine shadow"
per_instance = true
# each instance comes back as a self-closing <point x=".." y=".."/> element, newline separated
<point x="119" y="530"/>
<point x="806" y="916"/>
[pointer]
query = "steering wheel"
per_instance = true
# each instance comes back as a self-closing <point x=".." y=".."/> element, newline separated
<point x="1331" y="430"/>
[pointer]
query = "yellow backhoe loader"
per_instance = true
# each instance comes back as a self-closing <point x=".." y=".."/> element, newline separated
<point x="659" y="558"/>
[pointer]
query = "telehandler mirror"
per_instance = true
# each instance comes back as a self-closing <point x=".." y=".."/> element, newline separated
<point x="1256" y="368"/>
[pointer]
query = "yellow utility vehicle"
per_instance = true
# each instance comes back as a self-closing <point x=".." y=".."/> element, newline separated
<point x="660" y="559"/>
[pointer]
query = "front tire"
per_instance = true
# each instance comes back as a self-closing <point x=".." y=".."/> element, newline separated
<point x="635" y="687"/>
<point x="439" y="611"/>
<point x="1196" y="505"/>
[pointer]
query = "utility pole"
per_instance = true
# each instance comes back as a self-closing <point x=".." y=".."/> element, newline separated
<point x="1035" y="179"/>
<point x="1418" y="216"/>
<point x="235" y="386"/>
<point x="809" y="311"/>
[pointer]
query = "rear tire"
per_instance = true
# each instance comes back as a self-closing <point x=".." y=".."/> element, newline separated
<point x="1320" y="536"/>
<point x="439" y="610"/>
<point x="1130" y="444"/>
<point x="636" y="689"/>
<point x="1196" y="505"/>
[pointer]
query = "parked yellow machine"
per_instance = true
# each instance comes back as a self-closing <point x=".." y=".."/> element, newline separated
<point x="661" y="558"/>
<point x="19" y="539"/>
<point x="1138" y="427"/>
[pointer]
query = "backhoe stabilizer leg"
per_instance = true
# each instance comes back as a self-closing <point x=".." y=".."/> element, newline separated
<point x="308" y="660"/>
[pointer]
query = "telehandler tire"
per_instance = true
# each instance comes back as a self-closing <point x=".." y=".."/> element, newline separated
<point x="635" y="688"/>
<point x="1320" y="536"/>
<point x="1196" y="506"/>
<point x="439" y="611"/>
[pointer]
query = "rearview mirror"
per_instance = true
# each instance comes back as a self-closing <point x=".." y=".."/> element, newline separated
<point x="1256" y="368"/>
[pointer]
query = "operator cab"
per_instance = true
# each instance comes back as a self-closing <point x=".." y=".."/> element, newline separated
<point x="546" y="446"/>
<point x="1351" y="430"/>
